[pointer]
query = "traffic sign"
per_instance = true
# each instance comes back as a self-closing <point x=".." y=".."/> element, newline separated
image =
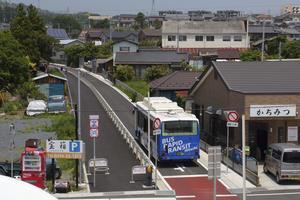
<point x="214" y="162"/>
<point x="94" y="132"/>
<point x="94" y="123"/>
<point x="232" y="116"/>
<point x="156" y="132"/>
<point x="156" y="123"/>
<point x="232" y="124"/>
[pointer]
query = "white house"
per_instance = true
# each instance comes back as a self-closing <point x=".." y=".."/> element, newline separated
<point x="58" y="53"/>
<point x="204" y="34"/>
<point x="124" y="46"/>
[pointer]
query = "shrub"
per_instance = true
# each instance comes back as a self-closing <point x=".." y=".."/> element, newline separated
<point x="64" y="126"/>
<point x="12" y="107"/>
<point x="30" y="90"/>
<point x="124" y="72"/>
<point x="156" y="71"/>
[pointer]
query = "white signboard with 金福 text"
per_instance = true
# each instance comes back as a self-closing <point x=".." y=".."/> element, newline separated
<point x="273" y="110"/>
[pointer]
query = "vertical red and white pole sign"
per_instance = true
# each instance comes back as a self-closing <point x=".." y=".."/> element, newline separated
<point x="94" y="132"/>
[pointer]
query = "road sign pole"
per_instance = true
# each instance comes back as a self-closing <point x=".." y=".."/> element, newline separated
<point x="215" y="175"/>
<point x="149" y="146"/>
<point x="156" y="162"/>
<point x="227" y="150"/>
<point x="244" y="156"/>
<point x="94" y="141"/>
<point x="76" y="136"/>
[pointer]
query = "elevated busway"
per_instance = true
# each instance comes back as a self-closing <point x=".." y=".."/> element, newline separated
<point x="123" y="107"/>
<point x="109" y="144"/>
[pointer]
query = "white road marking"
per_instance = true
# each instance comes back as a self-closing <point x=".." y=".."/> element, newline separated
<point x="186" y="197"/>
<point x="226" y="195"/>
<point x="273" y="194"/>
<point x="221" y="181"/>
<point x="179" y="168"/>
<point x="186" y="176"/>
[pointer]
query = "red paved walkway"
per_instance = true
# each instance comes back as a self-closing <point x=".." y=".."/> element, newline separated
<point x="199" y="188"/>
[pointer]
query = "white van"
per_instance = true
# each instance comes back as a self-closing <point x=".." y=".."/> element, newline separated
<point x="283" y="161"/>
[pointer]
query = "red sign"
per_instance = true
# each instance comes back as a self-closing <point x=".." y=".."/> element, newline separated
<point x="233" y="116"/>
<point x="156" y="123"/>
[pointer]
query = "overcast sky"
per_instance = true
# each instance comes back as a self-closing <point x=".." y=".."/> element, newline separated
<point x="109" y="7"/>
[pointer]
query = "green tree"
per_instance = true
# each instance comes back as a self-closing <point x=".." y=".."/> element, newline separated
<point x="124" y="72"/>
<point x="73" y="54"/>
<point x="291" y="49"/>
<point x="157" y="24"/>
<point x="156" y="71"/>
<point x="29" y="29"/>
<point x="251" y="55"/>
<point x="140" y="21"/>
<point x="273" y="45"/>
<point x="69" y="23"/>
<point x="14" y="70"/>
<point x="100" y="24"/>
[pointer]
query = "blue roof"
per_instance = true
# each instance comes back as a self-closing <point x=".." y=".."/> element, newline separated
<point x="57" y="33"/>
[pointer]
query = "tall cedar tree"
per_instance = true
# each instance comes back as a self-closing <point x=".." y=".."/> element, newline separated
<point x="14" y="70"/>
<point x="29" y="29"/>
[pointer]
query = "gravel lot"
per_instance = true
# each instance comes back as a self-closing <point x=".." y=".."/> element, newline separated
<point x="25" y="129"/>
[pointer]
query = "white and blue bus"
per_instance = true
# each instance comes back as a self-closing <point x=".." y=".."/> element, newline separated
<point x="180" y="133"/>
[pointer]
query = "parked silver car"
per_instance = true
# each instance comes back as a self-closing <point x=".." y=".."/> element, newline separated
<point x="283" y="161"/>
<point x="56" y="104"/>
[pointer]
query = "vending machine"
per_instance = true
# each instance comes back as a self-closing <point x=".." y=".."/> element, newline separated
<point x="33" y="163"/>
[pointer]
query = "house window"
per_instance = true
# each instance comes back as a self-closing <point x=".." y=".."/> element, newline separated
<point x="124" y="49"/>
<point x="182" y="37"/>
<point x="210" y="38"/>
<point x="226" y="38"/>
<point x="237" y="38"/>
<point x="198" y="38"/>
<point x="171" y="38"/>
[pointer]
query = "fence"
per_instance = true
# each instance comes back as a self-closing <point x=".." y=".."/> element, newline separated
<point x="236" y="165"/>
<point x="137" y="150"/>
<point x="139" y="96"/>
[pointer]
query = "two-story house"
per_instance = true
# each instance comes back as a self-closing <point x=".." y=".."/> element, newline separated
<point x="204" y="34"/>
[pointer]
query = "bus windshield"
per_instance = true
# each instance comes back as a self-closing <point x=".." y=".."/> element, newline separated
<point x="176" y="128"/>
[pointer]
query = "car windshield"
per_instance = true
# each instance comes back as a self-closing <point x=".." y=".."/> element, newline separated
<point x="56" y="99"/>
<point x="172" y="128"/>
<point x="291" y="157"/>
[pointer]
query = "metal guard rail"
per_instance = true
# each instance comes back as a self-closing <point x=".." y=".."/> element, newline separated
<point x="140" y="154"/>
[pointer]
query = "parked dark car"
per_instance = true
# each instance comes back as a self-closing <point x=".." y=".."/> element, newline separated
<point x="5" y="169"/>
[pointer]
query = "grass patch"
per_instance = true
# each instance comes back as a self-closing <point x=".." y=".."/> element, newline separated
<point x="55" y="72"/>
<point x="140" y="86"/>
<point x="64" y="126"/>
<point x="12" y="107"/>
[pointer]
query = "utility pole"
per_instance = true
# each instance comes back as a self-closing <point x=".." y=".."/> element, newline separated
<point x="12" y="147"/>
<point x="76" y="137"/>
<point x="177" y="37"/>
<point x="79" y="115"/>
<point x="263" y="42"/>
<point x="153" y="7"/>
<point x="244" y="155"/>
<point x="149" y="144"/>
<point x="279" y="51"/>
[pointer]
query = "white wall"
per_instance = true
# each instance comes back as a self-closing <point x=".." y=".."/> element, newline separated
<point x="191" y="43"/>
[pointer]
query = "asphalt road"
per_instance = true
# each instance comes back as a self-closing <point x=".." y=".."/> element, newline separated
<point x="109" y="145"/>
<point x="123" y="108"/>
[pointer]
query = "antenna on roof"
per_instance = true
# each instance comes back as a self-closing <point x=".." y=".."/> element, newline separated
<point x="153" y="7"/>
